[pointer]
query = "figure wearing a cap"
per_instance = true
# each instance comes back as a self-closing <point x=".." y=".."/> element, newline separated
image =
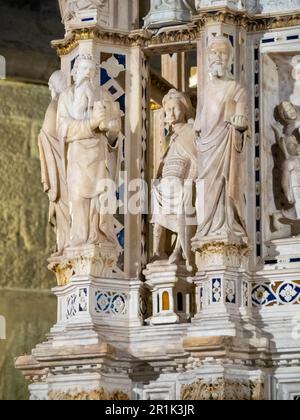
<point x="172" y="194"/>
<point x="290" y="146"/>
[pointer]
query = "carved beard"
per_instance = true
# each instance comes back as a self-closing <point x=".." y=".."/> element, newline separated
<point x="218" y="70"/>
<point x="83" y="99"/>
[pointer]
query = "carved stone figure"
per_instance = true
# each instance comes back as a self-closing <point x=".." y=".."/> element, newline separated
<point x="168" y="12"/>
<point x="172" y="194"/>
<point x="222" y="126"/>
<point x="289" y="144"/>
<point x="253" y="6"/>
<point x="170" y="4"/>
<point x="295" y="97"/>
<point x="88" y="125"/>
<point x="250" y="5"/>
<point x="53" y="170"/>
<point x="268" y="6"/>
<point x="73" y="6"/>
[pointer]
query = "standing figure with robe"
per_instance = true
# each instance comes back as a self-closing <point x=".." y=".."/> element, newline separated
<point x="222" y="126"/>
<point x="288" y="140"/>
<point x="172" y="194"/>
<point x="52" y="166"/>
<point x="89" y="123"/>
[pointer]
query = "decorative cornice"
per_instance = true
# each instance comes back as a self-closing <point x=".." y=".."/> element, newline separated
<point x="186" y="35"/>
<point x="124" y="38"/>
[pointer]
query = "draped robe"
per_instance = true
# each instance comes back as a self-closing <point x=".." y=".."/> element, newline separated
<point x="54" y="177"/>
<point x="171" y="198"/>
<point x="220" y="149"/>
<point x="88" y="171"/>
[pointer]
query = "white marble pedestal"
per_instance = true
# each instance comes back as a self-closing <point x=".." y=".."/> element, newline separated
<point x="171" y="293"/>
<point x="283" y="252"/>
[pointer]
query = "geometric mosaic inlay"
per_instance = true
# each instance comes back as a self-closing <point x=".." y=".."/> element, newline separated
<point x="277" y="293"/>
<point x="111" y="303"/>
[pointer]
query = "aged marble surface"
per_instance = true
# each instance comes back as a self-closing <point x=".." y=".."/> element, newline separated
<point x="253" y="6"/>
<point x="71" y="7"/>
<point x="295" y="97"/>
<point x="100" y="331"/>
<point x="281" y="138"/>
<point x="53" y="171"/>
<point x="88" y="126"/>
<point x="166" y="13"/>
<point x="290" y="147"/>
<point x="224" y="389"/>
<point x="106" y="13"/>
<point x="222" y="125"/>
<point x="172" y="194"/>
<point x="97" y="395"/>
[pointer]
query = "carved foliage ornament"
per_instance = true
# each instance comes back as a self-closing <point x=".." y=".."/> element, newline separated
<point x="96" y="395"/>
<point x="223" y="389"/>
<point x="221" y="253"/>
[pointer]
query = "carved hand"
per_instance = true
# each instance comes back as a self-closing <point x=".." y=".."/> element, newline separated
<point x="239" y="122"/>
<point x="115" y="125"/>
<point x="114" y="128"/>
<point x="99" y="116"/>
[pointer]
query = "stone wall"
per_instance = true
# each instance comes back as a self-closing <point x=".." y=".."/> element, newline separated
<point x="25" y="238"/>
<point x="29" y="317"/>
<point x="26" y="30"/>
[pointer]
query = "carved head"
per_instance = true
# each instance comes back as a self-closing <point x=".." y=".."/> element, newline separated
<point x="178" y="107"/>
<point x="220" y="57"/>
<point x="84" y="69"/>
<point x="287" y="112"/>
<point x="57" y="84"/>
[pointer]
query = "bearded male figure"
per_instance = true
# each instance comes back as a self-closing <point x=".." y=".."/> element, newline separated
<point x="222" y="127"/>
<point x="88" y="125"/>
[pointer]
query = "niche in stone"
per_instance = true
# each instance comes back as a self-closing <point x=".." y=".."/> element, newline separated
<point x="281" y="145"/>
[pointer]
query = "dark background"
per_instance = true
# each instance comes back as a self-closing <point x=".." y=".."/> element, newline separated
<point x="26" y="30"/>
